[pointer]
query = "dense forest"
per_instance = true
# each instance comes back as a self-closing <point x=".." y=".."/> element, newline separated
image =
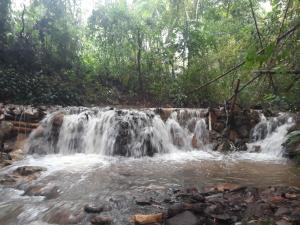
<point x="151" y="52"/>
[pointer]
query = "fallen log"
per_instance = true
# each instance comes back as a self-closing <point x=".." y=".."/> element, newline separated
<point x="147" y="219"/>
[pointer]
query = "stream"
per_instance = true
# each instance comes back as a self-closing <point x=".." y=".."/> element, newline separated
<point x="86" y="164"/>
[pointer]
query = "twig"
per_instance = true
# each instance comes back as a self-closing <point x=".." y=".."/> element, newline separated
<point x="244" y="86"/>
<point x="276" y="72"/>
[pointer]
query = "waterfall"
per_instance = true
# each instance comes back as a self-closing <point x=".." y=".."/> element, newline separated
<point x="124" y="132"/>
<point x="144" y="132"/>
<point x="269" y="134"/>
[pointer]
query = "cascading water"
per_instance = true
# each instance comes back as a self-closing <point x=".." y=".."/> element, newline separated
<point x="122" y="132"/>
<point x="269" y="134"/>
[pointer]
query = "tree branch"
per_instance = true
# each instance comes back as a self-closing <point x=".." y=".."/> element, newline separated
<point x="279" y="39"/>
<point x="256" y="26"/>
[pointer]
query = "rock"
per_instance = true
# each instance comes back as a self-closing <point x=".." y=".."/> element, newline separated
<point x="147" y="219"/>
<point x="47" y="192"/>
<point x="243" y="131"/>
<point x="17" y="154"/>
<point x="31" y="114"/>
<point x="268" y="113"/>
<point x="101" y="220"/>
<point x="29" y="170"/>
<point x="233" y="135"/>
<point x="8" y="212"/>
<point x="218" y="126"/>
<point x="184" y="218"/>
<point x="292" y="146"/>
<point x="225" y="187"/>
<point x="5" y="130"/>
<point x="177" y="208"/>
<point x="58" y="119"/>
<point x="225" y="146"/>
<point x="7" y="180"/>
<point x="5" y="156"/>
<point x="92" y="209"/>
<point x="63" y="216"/>
<point x="240" y="145"/>
<point x="281" y="211"/>
<point x="255" y="149"/>
<point x="196" y="143"/>
<point x="283" y="222"/>
<point x="164" y="112"/>
<point x="143" y="201"/>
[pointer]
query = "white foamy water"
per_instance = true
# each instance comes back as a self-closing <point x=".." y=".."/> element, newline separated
<point x="118" y="132"/>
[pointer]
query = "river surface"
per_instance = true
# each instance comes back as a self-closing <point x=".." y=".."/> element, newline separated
<point x="116" y="181"/>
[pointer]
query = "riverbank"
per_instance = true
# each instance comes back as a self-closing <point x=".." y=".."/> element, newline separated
<point x="228" y="204"/>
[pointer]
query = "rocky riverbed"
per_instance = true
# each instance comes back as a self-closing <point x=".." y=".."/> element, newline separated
<point x="223" y="203"/>
<point x="229" y="204"/>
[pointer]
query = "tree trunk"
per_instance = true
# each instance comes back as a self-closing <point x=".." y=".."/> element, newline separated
<point x="138" y="59"/>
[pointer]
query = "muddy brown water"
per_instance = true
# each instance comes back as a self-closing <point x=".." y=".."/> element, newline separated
<point x="117" y="182"/>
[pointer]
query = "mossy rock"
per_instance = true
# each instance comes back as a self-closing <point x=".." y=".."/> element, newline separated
<point x="292" y="145"/>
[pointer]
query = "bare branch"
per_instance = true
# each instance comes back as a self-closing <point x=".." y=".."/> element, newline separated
<point x="256" y="26"/>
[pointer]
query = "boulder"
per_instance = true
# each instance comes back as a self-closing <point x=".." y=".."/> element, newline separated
<point x="47" y="192"/>
<point x="292" y="146"/>
<point x="28" y="170"/>
<point x="93" y="209"/>
<point x="58" y="119"/>
<point x="184" y="218"/>
<point x="101" y="220"/>
<point x="5" y="130"/>
<point x="218" y="126"/>
<point x="224" y="146"/>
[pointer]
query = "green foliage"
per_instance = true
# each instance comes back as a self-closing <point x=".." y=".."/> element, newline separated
<point x="151" y="50"/>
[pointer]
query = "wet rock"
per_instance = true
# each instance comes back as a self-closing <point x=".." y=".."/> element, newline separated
<point x="224" y="146"/>
<point x="255" y="149"/>
<point x="58" y="119"/>
<point x="17" y="154"/>
<point x="8" y="213"/>
<point x="281" y="211"/>
<point x="244" y="131"/>
<point x="93" y="209"/>
<point x="63" y="216"/>
<point x="292" y="146"/>
<point x="5" y="156"/>
<point x="283" y="222"/>
<point x="5" y="130"/>
<point x="233" y="135"/>
<point x="143" y="201"/>
<point x="177" y="208"/>
<point x="100" y="220"/>
<point x="269" y="113"/>
<point x="47" y="192"/>
<point x="7" y="180"/>
<point x="218" y="126"/>
<point x="164" y="112"/>
<point x="29" y="170"/>
<point x="215" y="138"/>
<point x="184" y="218"/>
<point x="240" y="145"/>
<point x="224" y="187"/>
